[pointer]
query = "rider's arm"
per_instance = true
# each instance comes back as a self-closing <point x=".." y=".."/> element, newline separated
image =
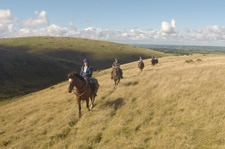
<point x="81" y="71"/>
<point x="113" y="65"/>
<point x="89" y="72"/>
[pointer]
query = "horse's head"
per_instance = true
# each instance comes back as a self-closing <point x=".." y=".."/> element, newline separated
<point x="116" y="69"/>
<point x="71" y="85"/>
<point x="75" y="80"/>
<point x="116" y="72"/>
<point x="71" y="78"/>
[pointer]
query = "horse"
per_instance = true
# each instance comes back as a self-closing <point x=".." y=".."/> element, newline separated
<point x="141" y="65"/>
<point x="154" y="62"/>
<point x="116" y="75"/>
<point x="83" y="90"/>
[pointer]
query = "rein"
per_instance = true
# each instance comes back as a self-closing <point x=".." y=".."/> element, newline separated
<point x="86" y="86"/>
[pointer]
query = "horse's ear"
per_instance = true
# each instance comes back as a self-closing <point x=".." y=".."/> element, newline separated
<point x="75" y="74"/>
<point x="69" y="75"/>
<point x="72" y="75"/>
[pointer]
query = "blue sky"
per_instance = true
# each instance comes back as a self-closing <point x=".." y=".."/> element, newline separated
<point x="190" y="22"/>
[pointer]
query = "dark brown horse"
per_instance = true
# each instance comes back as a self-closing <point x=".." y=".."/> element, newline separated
<point x="141" y="65"/>
<point x="116" y="75"/>
<point x="83" y="90"/>
<point x="154" y="62"/>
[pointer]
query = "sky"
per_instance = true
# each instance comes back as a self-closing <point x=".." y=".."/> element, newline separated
<point x="170" y="22"/>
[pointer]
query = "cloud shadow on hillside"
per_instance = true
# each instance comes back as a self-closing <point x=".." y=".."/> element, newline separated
<point x="32" y="71"/>
<point x="97" y="63"/>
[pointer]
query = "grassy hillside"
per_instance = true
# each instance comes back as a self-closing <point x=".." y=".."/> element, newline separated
<point x="179" y="103"/>
<point x="33" y="63"/>
<point x="22" y="73"/>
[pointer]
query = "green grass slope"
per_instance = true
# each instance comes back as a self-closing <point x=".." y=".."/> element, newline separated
<point x="178" y="103"/>
<point x="33" y="63"/>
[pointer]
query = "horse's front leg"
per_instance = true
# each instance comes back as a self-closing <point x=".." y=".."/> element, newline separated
<point x="79" y="107"/>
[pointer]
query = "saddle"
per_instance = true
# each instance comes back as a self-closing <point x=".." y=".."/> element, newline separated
<point x="93" y="83"/>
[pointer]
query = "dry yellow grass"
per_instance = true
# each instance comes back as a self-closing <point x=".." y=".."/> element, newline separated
<point x="176" y="104"/>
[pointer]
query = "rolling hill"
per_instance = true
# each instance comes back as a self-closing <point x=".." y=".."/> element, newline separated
<point x="179" y="103"/>
<point x="32" y="63"/>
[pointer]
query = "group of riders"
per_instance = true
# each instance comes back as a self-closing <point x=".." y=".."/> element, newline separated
<point x="153" y="58"/>
<point x="87" y="86"/>
<point x="86" y="72"/>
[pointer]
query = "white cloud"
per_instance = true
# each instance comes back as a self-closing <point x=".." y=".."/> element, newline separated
<point x="187" y="30"/>
<point x="6" y="17"/>
<point x="210" y="33"/>
<point x="168" y="28"/>
<point x="7" y="23"/>
<point x="167" y="34"/>
<point x="41" y="20"/>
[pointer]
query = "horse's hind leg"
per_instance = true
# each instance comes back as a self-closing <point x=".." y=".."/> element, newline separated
<point x="92" y="102"/>
<point x="87" y="104"/>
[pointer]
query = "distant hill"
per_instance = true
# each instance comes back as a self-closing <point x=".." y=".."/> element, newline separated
<point x="33" y="63"/>
<point x="177" y="104"/>
<point x="184" y="49"/>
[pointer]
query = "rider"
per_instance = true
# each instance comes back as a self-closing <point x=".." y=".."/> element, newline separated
<point x="140" y="60"/>
<point x="86" y="72"/>
<point x="116" y="64"/>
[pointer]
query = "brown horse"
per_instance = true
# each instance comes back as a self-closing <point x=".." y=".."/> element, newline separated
<point x="116" y="75"/>
<point x="83" y="90"/>
<point x="141" y="65"/>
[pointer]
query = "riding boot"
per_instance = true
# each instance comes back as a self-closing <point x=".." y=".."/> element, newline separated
<point x="112" y="75"/>
<point x="94" y="89"/>
<point x="121" y="73"/>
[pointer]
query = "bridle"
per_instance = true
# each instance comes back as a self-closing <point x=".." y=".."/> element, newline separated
<point x="85" y="86"/>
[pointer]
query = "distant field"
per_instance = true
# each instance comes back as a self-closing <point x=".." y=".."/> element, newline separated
<point x="184" y="50"/>
<point x="177" y="104"/>
<point x="33" y="63"/>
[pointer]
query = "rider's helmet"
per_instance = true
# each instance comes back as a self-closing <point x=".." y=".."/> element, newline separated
<point x="85" y="60"/>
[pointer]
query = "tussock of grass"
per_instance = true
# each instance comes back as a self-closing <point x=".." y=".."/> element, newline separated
<point x="198" y="60"/>
<point x="171" y="105"/>
<point x="189" y="61"/>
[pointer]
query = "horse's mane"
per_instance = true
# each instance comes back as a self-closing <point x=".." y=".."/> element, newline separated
<point x="75" y="74"/>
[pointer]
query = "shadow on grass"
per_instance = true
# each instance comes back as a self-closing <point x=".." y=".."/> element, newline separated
<point x="115" y="103"/>
<point x="131" y="83"/>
